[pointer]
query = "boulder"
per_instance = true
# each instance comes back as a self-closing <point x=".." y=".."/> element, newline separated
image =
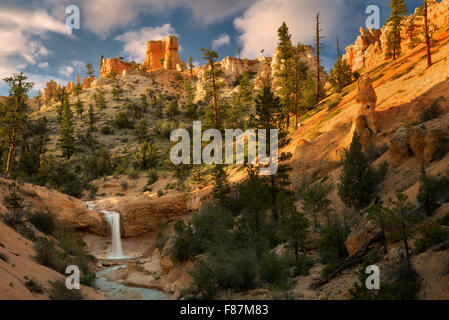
<point x="399" y="147"/>
<point x="424" y="143"/>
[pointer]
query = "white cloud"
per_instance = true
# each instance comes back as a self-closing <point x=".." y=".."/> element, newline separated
<point x="222" y="40"/>
<point x="135" y="42"/>
<point x="66" y="71"/>
<point x="103" y="16"/>
<point x="43" y="65"/>
<point x="20" y="35"/>
<point x="259" y="23"/>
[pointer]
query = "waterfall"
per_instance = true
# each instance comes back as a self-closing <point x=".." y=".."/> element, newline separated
<point x="113" y="220"/>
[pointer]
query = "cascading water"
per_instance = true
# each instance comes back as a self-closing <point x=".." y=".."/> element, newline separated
<point x="113" y="221"/>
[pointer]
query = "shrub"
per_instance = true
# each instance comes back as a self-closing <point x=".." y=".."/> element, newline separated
<point x="430" y="236"/>
<point x="431" y="191"/>
<point x="122" y="120"/>
<point x="106" y="130"/>
<point x="34" y="287"/>
<point x="432" y="112"/>
<point x="302" y="266"/>
<point x="124" y="185"/>
<point x="273" y="269"/>
<point x="43" y="222"/>
<point x="332" y="244"/>
<point x="444" y="220"/>
<point x="204" y="286"/>
<point x="59" y="291"/>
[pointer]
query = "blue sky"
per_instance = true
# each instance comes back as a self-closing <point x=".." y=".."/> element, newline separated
<point x="34" y="38"/>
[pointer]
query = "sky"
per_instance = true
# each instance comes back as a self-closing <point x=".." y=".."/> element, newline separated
<point x="34" y="36"/>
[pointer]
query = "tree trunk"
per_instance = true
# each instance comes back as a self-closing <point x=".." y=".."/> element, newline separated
<point x="426" y="27"/>
<point x="10" y="158"/>
<point x="318" y="88"/>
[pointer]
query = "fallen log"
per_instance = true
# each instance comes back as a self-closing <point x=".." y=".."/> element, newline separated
<point x="349" y="261"/>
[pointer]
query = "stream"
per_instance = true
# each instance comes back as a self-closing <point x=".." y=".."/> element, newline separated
<point x="117" y="291"/>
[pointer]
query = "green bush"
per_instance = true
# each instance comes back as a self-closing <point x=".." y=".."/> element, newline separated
<point x="302" y="266"/>
<point x="106" y="130"/>
<point x="34" y="287"/>
<point x="273" y="269"/>
<point x="431" y="236"/>
<point x="444" y="220"/>
<point x="44" y="222"/>
<point x="122" y="120"/>
<point x="59" y="291"/>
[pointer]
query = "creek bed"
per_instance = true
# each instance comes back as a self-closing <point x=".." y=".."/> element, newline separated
<point x="118" y="291"/>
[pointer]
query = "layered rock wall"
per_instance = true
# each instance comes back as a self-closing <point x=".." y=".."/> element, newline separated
<point x="115" y="66"/>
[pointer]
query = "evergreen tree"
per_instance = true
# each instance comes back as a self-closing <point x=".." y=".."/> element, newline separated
<point x="427" y="36"/>
<point x="221" y="187"/>
<point x="141" y="130"/>
<point x="269" y="116"/>
<point x="38" y="98"/>
<point x="147" y="157"/>
<point x="90" y="70"/>
<point x="92" y="118"/>
<point x="246" y="90"/>
<point x="315" y="201"/>
<point x="66" y="138"/>
<point x="190" y="108"/>
<point x="284" y="70"/>
<point x="298" y="79"/>
<point x="13" y="115"/>
<point x="172" y="109"/>
<point x="357" y="180"/>
<point x="318" y="38"/>
<point x="144" y="103"/>
<point x="295" y="230"/>
<point x="213" y="75"/>
<point x="100" y="100"/>
<point x="79" y="108"/>
<point x="398" y="12"/>
<point x="191" y="67"/>
<point x="14" y="201"/>
<point x="234" y="112"/>
<point x="341" y="74"/>
<point x="117" y="90"/>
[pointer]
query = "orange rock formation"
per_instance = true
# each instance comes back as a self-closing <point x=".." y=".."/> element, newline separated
<point x="115" y="66"/>
<point x="162" y="54"/>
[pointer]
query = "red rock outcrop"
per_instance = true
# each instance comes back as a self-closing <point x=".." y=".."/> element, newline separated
<point x="162" y="54"/>
<point x="115" y="66"/>
<point x="49" y="90"/>
<point x="87" y="82"/>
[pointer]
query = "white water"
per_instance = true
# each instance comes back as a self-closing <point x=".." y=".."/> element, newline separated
<point x="113" y="221"/>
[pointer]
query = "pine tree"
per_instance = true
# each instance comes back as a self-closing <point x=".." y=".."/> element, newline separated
<point x="14" y="201"/>
<point x="38" y="98"/>
<point x="13" y="115"/>
<point x="172" y="109"/>
<point x="144" y="103"/>
<point x="189" y="90"/>
<point x="92" y="118"/>
<point x="141" y="130"/>
<point x="299" y="78"/>
<point x="147" y="157"/>
<point x="66" y="138"/>
<point x="90" y="70"/>
<point x="427" y="34"/>
<point x="191" y="67"/>
<point x="221" y="187"/>
<point x="234" y="112"/>
<point x="79" y="108"/>
<point x="213" y="75"/>
<point x="318" y="38"/>
<point x="295" y="230"/>
<point x="284" y="71"/>
<point x="341" y="74"/>
<point x="398" y="12"/>
<point x="117" y="90"/>
<point x="100" y="100"/>
<point x="357" y="180"/>
<point x="246" y="90"/>
<point x="315" y="201"/>
<point x="269" y="116"/>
